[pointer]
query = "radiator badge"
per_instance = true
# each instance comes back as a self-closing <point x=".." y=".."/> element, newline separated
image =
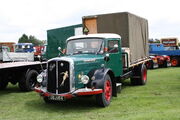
<point x="65" y="76"/>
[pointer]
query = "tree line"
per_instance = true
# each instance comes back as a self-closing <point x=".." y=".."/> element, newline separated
<point x="31" y="39"/>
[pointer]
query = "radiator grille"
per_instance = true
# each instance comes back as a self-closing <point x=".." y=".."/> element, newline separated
<point x="63" y="68"/>
<point x="58" y="77"/>
<point x="52" y="77"/>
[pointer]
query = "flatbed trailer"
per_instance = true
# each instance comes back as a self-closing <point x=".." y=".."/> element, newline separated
<point x="23" y="73"/>
<point x="167" y="52"/>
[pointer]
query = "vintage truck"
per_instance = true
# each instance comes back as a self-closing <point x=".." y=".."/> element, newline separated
<point x="94" y="64"/>
<point x="24" y="47"/>
<point x="157" y="60"/>
<point x="16" y="52"/>
<point x="171" y="51"/>
<point x="18" y="67"/>
<point x="38" y="51"/>
<point x="23" y="73"/>
<point x="10" y="45"/>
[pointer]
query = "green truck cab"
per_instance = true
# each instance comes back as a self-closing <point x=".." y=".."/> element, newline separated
<point x="93" y="65"/>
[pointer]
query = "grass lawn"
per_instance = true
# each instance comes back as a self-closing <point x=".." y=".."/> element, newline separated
<point x="158" y="100"/>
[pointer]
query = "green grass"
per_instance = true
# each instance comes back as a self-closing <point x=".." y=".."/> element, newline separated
<point x="158" y="100"/>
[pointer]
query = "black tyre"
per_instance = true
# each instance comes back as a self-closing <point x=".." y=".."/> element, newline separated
<point x="139" y="75"/>
<point x="28" y="80"/>
<point x="104" y="98"/>
<point x="3" y="82"/>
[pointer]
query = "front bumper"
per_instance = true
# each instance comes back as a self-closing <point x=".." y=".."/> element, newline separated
<point x="79" y="92"/>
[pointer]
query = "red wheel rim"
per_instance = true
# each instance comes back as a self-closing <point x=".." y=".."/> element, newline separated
<point x="174" y="62"/>
<point x="108" y="90"/>
<point x="144" y="74"/>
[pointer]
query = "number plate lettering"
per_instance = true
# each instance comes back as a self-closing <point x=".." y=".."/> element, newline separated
<point x="59" y="98"/>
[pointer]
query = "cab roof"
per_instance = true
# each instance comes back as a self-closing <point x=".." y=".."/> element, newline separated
<point x="99" y="35"/>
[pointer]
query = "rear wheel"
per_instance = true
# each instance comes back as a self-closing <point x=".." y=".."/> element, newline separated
<point x="174" y="62"/>
<point x="139" y="75"/>
<point x="104" y="98"/>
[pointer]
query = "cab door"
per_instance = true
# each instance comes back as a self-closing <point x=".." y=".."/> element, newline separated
<point x="115" y="57"/>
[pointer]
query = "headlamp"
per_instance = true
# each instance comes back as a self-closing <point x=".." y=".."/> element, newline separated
<point x="40" y="78"/>
<point x="84" y="79"/>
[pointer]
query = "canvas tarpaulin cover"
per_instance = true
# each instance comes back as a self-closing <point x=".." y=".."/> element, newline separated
<point x="132" y="29"/>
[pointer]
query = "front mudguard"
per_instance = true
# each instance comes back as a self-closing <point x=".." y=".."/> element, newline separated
<point x="98" y="78"/>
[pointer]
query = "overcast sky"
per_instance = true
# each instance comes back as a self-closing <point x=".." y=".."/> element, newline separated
<point x="35" y="17"/>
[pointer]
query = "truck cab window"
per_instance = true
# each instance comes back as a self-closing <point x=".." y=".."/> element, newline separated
<point x="113" y="46"/>
<point x="85" y="46"/>
<point x="79" y="45"/>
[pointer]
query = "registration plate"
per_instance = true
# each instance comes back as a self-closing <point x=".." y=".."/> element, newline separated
<point x="56" y="97"/>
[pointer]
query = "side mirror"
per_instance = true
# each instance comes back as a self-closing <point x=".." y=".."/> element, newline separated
<point x="61" y="51"/>
<point x="106" y="58"/>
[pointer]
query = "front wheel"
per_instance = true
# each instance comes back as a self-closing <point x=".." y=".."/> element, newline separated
<point x="28" y="80"/>
<point x="104" y="98"/>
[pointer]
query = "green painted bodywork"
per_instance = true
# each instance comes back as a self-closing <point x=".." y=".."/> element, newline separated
<point x="84" y="63"/>
<point x="57" y="38"/>
<point x="115" y="61"/>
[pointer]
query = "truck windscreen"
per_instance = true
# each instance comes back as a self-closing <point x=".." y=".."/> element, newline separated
<point x="85" y="46"/>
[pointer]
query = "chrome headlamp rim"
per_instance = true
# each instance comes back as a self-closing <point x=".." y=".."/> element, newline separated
<point x="84" y="79"/>
<point x="40" y="78"/>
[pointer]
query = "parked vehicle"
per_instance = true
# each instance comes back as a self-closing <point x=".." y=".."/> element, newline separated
<point x="23" y="73"/>
<point x="158" y="61"/>
<point x="159" y="49"/>
<point x="38" y="51"/>
<point x="94" y="64"/>
<point x="7" y="56"/>
<point x="9" y="45"/>
<point x="19" y="67"/>
<point x="24" y="47"/>
<point x="163" y="61"/>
